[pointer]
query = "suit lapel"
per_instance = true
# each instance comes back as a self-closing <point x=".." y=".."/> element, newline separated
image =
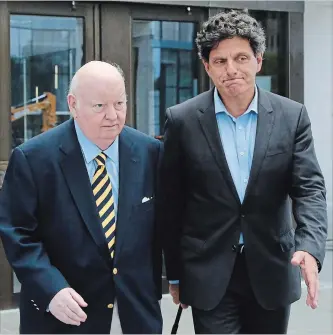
<point x="207" y="118"/>
<point x="128" y="162"/>
<point x="264" y="130"/>
<point x="75" y="172"/>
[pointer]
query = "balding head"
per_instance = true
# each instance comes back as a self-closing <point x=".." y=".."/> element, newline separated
<point x="97" y="100"/>
<point x="94" y="70"/>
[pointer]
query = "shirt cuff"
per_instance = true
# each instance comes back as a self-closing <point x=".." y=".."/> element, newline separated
<point x="173" y="281"/>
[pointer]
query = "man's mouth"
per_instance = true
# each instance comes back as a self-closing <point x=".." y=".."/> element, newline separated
<point x="231" y="79"/>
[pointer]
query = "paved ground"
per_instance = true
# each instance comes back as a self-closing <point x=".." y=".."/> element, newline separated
<point x="303" y="319"/>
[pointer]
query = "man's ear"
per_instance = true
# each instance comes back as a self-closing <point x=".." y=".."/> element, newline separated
<point x="259" y="59"/>
<point x="206" y="65"/>
<point x="71" y="101"/>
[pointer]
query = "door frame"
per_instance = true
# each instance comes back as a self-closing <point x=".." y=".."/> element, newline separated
<point x="117" y="47"/>
<point x="89" y="12"/>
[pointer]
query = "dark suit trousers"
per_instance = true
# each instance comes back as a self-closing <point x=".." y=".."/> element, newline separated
<point x="239" y="312"/>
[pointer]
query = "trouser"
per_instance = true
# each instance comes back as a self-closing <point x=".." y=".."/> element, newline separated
<point x="239" y="312"/>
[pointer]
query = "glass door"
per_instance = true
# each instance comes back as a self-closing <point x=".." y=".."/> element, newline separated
<point x="154" y="45"/>
<point x="165" y="70"/>
<point x="160" y="60"/>
<point x="48" y="42"/>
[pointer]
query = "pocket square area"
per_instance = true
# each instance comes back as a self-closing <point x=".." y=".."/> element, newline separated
<point x="145" y="199"/>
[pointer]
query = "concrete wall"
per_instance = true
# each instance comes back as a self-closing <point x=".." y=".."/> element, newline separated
<point x="318" y="85"/>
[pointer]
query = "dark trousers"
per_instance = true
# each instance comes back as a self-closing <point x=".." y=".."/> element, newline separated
<point x="239" y="312"/>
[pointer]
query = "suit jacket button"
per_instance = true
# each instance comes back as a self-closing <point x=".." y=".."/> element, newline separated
<point x="110" y="305"/>
<point x="115" y="271"/>
<point x="234" y="247"/>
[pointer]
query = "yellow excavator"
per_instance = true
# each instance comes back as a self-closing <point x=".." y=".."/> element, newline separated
<point x="45" y="103"/>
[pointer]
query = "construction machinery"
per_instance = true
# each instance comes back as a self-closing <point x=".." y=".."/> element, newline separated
<point x="44" y="104"/>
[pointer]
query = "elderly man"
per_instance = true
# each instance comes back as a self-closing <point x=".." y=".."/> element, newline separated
<point x="233" y="158"/>
<point x="77" y="217"/>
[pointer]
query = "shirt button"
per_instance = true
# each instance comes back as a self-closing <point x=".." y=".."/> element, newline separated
<point x="242" y="153"/>
<point x="240" y="127"/>
<point x="110" y="305"/>
<point x="245" y="180"/>
<point x="115" y="271"/>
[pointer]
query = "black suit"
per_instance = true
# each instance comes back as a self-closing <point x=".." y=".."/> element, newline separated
<point x="203" y="216"/>
<point x="53" y="238"/>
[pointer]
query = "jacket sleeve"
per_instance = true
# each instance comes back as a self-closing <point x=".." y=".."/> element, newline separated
<point x="171" y="198"/>
<point x="20" y="233"/>
<point x="308" y="193"/>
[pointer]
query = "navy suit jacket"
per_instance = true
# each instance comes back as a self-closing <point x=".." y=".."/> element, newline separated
<point x="53" y="239"/>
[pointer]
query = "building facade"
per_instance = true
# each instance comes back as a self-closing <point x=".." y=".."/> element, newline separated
<point x="44" y="43"/>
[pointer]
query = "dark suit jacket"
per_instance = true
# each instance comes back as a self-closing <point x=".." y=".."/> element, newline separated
<point x="203" y="216"/>
<point x="53" y="238"/>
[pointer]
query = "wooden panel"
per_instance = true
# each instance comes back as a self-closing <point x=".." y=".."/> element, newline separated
<point x="197" y="3"/>
<point x="5" y="128"/>
<point x="116" y="39"/>
<point x="168" y="13"/>
<point x="5" y="140"/>
<point x="283" y="6"/>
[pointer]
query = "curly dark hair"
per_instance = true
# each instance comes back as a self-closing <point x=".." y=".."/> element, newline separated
<point x="227" y="25"/>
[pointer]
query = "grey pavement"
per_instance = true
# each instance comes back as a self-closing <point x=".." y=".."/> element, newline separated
<point x="303" y="319"/>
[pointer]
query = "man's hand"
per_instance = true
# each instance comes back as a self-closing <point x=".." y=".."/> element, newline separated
<point x="174" y="291"/>
<point x="309" y="269"/>
<point x="65" y="306"/>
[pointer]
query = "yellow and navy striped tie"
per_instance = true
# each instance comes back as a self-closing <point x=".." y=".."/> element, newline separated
<point x="102" y="190"/>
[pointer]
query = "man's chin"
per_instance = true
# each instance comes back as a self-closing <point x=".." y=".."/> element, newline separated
<point x="106" y="132"/>
<point x="235" y="90"/>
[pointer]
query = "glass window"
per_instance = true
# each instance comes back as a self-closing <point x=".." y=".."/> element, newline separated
<point x="273" y="75"/>
<point x="165" y="70"/>
<point x="45" y="52"/>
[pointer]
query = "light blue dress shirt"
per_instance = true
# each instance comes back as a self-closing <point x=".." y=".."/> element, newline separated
<point x="238" y="138"/>
<point x="90" y="151"/>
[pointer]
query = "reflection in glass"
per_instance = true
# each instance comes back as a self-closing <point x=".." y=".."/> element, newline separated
<point x="165" y="70"/>
<point x="45" y="52"/>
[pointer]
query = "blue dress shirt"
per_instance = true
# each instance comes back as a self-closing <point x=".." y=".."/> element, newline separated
<point x="238" y="138"/>
<point x="90" y="151"/>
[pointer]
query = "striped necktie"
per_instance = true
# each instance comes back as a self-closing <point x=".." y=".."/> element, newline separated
<point x="102" y="190"/>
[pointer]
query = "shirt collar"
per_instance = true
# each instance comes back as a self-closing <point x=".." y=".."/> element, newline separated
<point x="220" y="107"/>
<point x="91" y="150"/>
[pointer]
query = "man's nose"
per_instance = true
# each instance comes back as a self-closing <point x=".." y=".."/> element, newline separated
<point x="231" y="68"/>
<point x="111" y="113"/>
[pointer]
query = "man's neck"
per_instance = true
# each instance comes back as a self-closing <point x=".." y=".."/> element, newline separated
<point x="238" y="105"/>
<point x="104" y="145"/>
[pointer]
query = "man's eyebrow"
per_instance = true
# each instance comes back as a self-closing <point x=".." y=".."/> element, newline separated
<point x="219" y="58"/>
<point x="241" y="53"/>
